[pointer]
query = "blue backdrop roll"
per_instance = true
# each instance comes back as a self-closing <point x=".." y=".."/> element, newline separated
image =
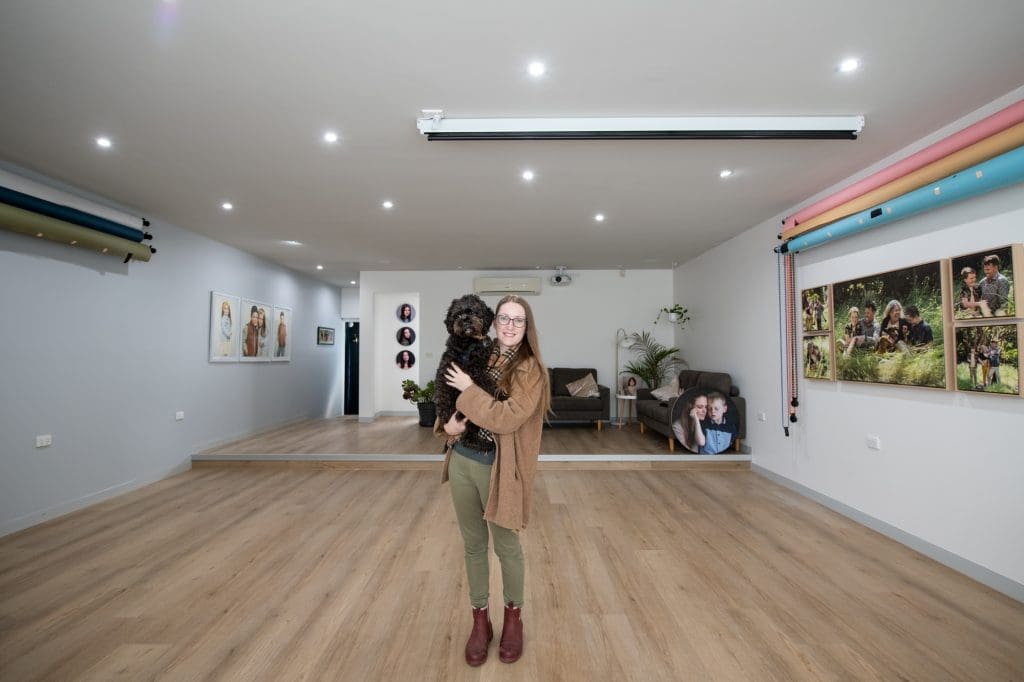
<point x="1001" y="171"/>
<point x="68" y="214"/>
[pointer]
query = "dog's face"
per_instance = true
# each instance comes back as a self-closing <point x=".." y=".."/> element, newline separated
<point x="468" y="316"/>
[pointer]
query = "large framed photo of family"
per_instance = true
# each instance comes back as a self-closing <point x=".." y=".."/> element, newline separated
<point x="983" y="284"/>
<point x="256" y="340"/>
<point x="987" y="358"/>
<point x="889" y="328"/>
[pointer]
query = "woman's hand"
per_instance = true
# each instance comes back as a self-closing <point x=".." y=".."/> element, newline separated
<point x="455" y="426"/>
<point x="456" y="378"/>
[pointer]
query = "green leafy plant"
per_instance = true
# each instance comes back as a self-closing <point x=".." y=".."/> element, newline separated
<point x="677" y="315"/>
<point x="412" y="392"/>
<point x="654" y="361"/>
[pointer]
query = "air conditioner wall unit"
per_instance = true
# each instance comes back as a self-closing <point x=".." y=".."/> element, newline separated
<point x="506" y="285"/>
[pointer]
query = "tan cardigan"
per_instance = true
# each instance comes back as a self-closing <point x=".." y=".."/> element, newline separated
<point x="516" y="424"/>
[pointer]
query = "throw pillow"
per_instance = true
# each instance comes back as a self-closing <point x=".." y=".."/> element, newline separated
<point x="668" y="391"/>
<point x="584" y="388"/>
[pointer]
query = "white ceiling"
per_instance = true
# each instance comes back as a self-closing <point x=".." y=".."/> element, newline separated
<point x="227" y="100"/>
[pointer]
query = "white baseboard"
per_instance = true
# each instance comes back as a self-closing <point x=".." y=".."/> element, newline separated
<point x="985" y="576"/>
<point x="37" y="517"/>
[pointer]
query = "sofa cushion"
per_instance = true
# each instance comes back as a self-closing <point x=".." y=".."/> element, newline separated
<point x="584" y="388"/>
<point x="561" y="376"/>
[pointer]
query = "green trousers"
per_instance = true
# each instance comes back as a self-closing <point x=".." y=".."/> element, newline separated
<point x="470" y="482"/>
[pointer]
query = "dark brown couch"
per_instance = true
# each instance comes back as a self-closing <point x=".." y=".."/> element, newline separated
<point x="656" y="415"/>
<point x="566" y="408"/>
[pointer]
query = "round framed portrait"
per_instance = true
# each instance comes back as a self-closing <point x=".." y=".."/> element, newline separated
<point x="705" y="414"/>
<point x="405" y="359"/>
<point x="405" y="336"/>
<point x="405" y="312"/>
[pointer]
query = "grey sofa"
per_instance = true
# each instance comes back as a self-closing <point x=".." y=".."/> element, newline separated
<point x="566" y="408"/>
<point x="656" y="415"/>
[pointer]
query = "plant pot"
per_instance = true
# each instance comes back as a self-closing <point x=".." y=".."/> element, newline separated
<point x="673" y="317"/>
<point x="428" y="413"/>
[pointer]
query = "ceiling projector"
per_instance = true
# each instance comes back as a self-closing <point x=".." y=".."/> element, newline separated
<point x="561" y="278"/>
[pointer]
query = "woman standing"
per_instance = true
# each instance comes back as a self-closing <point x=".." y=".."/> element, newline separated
<point x="492" y="488"/>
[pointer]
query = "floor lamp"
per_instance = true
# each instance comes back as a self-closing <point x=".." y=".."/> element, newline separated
<point x="623" y="339"/>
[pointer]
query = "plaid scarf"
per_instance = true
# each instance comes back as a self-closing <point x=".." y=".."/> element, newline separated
<point x="496" y="366"/>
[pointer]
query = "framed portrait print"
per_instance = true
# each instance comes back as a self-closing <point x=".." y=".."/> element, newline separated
<point x="324" y="336"/>
<point x="816" y="312"/>
<point x="987" y="359"/>
<point x="256" y="339"/>
<point x="817" y="352"/>
<point x="224" y="327"/>
<point x="282" y="326"/>
<point x="405" y="313"/>
<point x="983" y="284"/>
<point x="405" y="359"/>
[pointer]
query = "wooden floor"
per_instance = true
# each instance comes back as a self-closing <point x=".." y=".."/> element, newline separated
<point x="285" y="574"/>
<point x="404" y="436"/>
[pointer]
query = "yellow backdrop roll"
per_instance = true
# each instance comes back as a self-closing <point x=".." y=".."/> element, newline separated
<point x="983" y="150"/>
<point x="35" y="225"/>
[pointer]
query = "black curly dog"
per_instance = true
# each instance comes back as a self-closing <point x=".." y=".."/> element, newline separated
<point x="468" y="346"/>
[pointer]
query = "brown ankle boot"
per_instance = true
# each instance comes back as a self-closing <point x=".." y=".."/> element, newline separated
<point x="511" y="647"/>
<point x="480" y="638"/>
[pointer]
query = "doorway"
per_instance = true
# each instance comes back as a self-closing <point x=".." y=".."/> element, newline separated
<point x="351" y="368"/>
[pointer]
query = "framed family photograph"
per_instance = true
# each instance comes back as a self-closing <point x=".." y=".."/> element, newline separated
<point x="987" y="359"/>
<point x="817" y="316"/>
<point x="324" y="336"/>
<point x="224" y="327"/>
<point x="818" y="357"/>
<point x="256" y="339"/>
<point x="282" y="334"/>
<point x="982" y="284"/>
<point x="891" y="329"/>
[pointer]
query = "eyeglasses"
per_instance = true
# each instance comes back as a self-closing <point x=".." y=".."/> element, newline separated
<point x="517" y="322"/>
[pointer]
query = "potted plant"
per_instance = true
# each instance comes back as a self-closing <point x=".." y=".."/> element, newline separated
<point x="677" y="315"/>
<point x="422" y="398"/>
<point x="654" y="361"/>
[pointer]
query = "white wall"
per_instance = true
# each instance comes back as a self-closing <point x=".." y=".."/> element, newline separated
<point x="101" y="355"/>
<point x="950" y="469"/>
<point x="576" y="323"/>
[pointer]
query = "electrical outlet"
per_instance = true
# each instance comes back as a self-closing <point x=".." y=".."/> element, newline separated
<point x="873" y="442"/>
<point x="178" y="416"/>
<point x="762" y="417"/>
<point x="44" y="441"/>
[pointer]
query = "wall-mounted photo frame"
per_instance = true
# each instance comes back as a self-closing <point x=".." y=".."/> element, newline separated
<point x="225" y="329"/>
<point x="282" y="330"/>
<point x="816" y="311"/>
<point x="982" y="284"/>
<point x="256" y="340"/>
<point x="898" y="335"/>
<point x="324" y="336"/>
<point x="987" y="359"/>
<point x="817" y="351"/>
<point x="405" y="359"/>
<point x="406" y="336"/>
<point x="405" y="312"/>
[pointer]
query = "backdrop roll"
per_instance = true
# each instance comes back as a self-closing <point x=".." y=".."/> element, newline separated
<point x="37" y="189"/>
<point x="989" y="148"/>
<point x="68" y="214"/>
<point x="997" y="122"/>
<point x="35" y="225"/>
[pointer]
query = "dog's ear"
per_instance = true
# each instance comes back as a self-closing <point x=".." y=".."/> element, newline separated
<point x="449" y="317"/>
<point x="488" y="316"/>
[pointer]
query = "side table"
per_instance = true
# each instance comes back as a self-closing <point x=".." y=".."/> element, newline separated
<point x="626" y="404"/>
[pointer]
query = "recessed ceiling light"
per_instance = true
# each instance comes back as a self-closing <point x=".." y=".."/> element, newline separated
<point x="849" y="65"/>
<point x="104" y="142"/>
<point x="330" y="137"/>
<point x="319" y="267"/>
<point x="388" y="204"/>
<point x="352" y="281"/>
<point x="536" y="69"/>
<point x="227" y="206"/>
<point x="528" y="175"/>
<point x="599" y="217"/>
<point x="292" y="242"/>
<point x="725" y="173"/>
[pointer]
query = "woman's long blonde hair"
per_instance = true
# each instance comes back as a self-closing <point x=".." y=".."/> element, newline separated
<point x="529" y="348"/>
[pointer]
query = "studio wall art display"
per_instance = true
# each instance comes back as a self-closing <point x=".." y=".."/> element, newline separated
<point x="987" y="359"/>
<point x="894" y="328"/>
<point x="982" y="284"/>
<point x="256" y="341"/>
<point x="324" y="336"/>
<point x="817" y="315"/>
<point x="225" y="329"/>
<point x="818" y="357"/>
<point x="405" y="312"/>
<point x="282" y="334"/>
